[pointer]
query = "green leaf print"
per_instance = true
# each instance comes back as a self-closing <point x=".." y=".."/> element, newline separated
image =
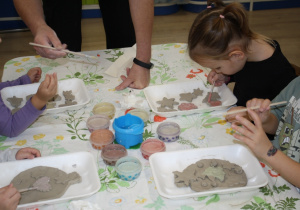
<point x="3" y="138"/>
<point x="186" y="208"/>
<point x="158" y="204"/>
<point x="214" y="199"/>
<point x="147" y="134"/>
<point x="288" y="203"/>
<point x="201" y="198"/>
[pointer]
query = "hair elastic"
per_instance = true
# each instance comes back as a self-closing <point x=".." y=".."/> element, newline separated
<point x="222" y="16"/>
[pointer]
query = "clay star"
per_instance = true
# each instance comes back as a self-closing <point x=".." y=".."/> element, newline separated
<point x="198" y="92"/>
<point x="187" y="97"/>
<point x="14" y="101"/>
<point x="167" y="102"/>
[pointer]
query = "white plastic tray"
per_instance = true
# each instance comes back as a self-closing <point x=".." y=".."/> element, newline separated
<point x="76" y="85"/>
<point x="156" y="93"/>
<point x="164" y="163"/>
<point x="81" y="162"/>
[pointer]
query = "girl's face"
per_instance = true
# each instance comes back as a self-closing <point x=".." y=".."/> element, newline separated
<point x="227" y="67"/>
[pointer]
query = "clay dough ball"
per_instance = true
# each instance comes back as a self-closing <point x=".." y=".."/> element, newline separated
<point x="187" y="106"/>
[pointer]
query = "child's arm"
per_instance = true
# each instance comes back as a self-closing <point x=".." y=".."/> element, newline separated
<point x="9" y="197"/>
<point x="254" y="136"/>
<point x="13" y="125"/>
<point x="33" y="75"/>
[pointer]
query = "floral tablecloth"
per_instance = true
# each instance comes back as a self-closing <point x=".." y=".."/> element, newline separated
<point x="66" y="132"/>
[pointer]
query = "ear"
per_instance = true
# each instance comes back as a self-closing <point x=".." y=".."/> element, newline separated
<point x="236" y="55"/>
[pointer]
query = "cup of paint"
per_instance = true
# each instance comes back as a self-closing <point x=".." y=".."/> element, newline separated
<point x="128" y="168"/>
<point x="100" y="138"/>
<point x="168" y="131"/>
<point x="97" y="122"/>
<point x="128" y="130"/>
<point x="105" y="108"/>
<point x="140" y="113"/>
<point x="112" y="153"/>
<point x="151" y="146"/>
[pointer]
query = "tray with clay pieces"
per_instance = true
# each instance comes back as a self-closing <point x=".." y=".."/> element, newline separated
<point x="163" y="164"/>
<point x="75" y="89"/>
<point x="81" y="162"/>
<point x="173" y="90"/>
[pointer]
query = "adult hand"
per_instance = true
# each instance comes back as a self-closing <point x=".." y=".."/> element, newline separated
<point x="9" y="198"/>
<point x="252" y="134"/>
<point x="264" y="108"/>
<point x="46" y="36"/>
<point x="27" y="153"/>
<point x="46" y="91"/>
<point x="218" y="78"/>
<point x="35" y="74"/>
<point x="137" y="77"/>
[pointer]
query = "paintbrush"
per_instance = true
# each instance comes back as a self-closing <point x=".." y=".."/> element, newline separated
<point x="66" y="51"/>
<point x="212" y="90"/>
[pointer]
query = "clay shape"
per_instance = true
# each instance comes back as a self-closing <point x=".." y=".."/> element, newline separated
<point x="59" y="181"/>
<point x="50" y="105"/>
<point x="187" y="106"/>
<point x="187" y="97"/>
<point x="208" y="174"/>
<point x="55" y="98"/>
<point x="167" y="102"/>
<point x="15" y="110"/>
<point x="198" y="92"/>
<point x="14" y="101"/>
<point x="162" y="109"/>
<point x="68" y="95"/>
<point x="214" y="100"/>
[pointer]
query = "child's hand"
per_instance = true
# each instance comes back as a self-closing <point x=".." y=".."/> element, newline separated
<point x="252" y="134"/>
<point x="35" y="74"/>
<point x="46" y="91"/>
<point x="264" y="108"/>
<point x="218" y="78"/>
<point x="27" y="153"/>
<point x="231" y="117"/>
<point x="9" y="198"/>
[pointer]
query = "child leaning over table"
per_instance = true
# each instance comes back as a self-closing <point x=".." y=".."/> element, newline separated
<point x="9" y="195"/>
<point x="221" y="39"/>
<point x="284" y="122"/>
<point x="13" y="124"/>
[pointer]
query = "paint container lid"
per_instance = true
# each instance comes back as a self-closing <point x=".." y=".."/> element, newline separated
<point x="100" y="138"/>
<point x="97" y="122"/>
<point x="140" y="113"/>
<point x="151" y="146"/>
<point x="105" y="108"/>
<point x="168" y="131"/>
<point x="128" y="168"/>
<point x="113" y="152"/>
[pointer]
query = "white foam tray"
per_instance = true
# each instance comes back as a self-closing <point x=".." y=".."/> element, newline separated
<point x="81" y="162"/>
<point x="76" y="85"/>
<point x="164" y="163"/>
<point x="157" y="92"/>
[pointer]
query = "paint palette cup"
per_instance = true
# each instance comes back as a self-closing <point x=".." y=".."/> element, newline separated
<point x="97" y="122"/>
<point x="151" y="146"/>
<point x="105" y="108"/>
<point x="128" y="168"/>
<point x="100" y="138"/>
<point x="129" y="130"/>
<point x="112" y="153"/>
<point x="140" y="113"/>
<point x="168" y="131"/>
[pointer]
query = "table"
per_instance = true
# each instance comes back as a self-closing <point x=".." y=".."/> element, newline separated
<point x="66" y="132"/>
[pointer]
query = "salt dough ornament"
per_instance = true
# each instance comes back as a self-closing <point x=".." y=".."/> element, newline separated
<point x="68" y="95"/>
<point x="167" y="102"/>
<point x="214" y="100"/>
<point x="208" y="174"/>
<point x="162" y="109"/>
<point x="187" y="106"/>
<point x="198" y="92"/>
<point x="187" y="97"/>
<point x="50" y="105"/>
<point x="55" y="98"/>
<point x="14" y="101"/>
<point x="59" y="181"/>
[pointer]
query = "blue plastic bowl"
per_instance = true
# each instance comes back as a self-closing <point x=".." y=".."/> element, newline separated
<point x="128" y="130"/>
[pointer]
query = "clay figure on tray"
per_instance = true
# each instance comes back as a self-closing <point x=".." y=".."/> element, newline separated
<point x="220" y="39"/>
<point x="282" y="153"/>
<point x="167" y="104"/>
<point x="12" y="125"/>
<point x="56" y="183"/>
<point x="9" y="195"/>
<point x="207" y="174"/>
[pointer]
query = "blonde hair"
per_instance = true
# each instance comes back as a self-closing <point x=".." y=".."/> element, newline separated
<point x="215" y="28"/>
